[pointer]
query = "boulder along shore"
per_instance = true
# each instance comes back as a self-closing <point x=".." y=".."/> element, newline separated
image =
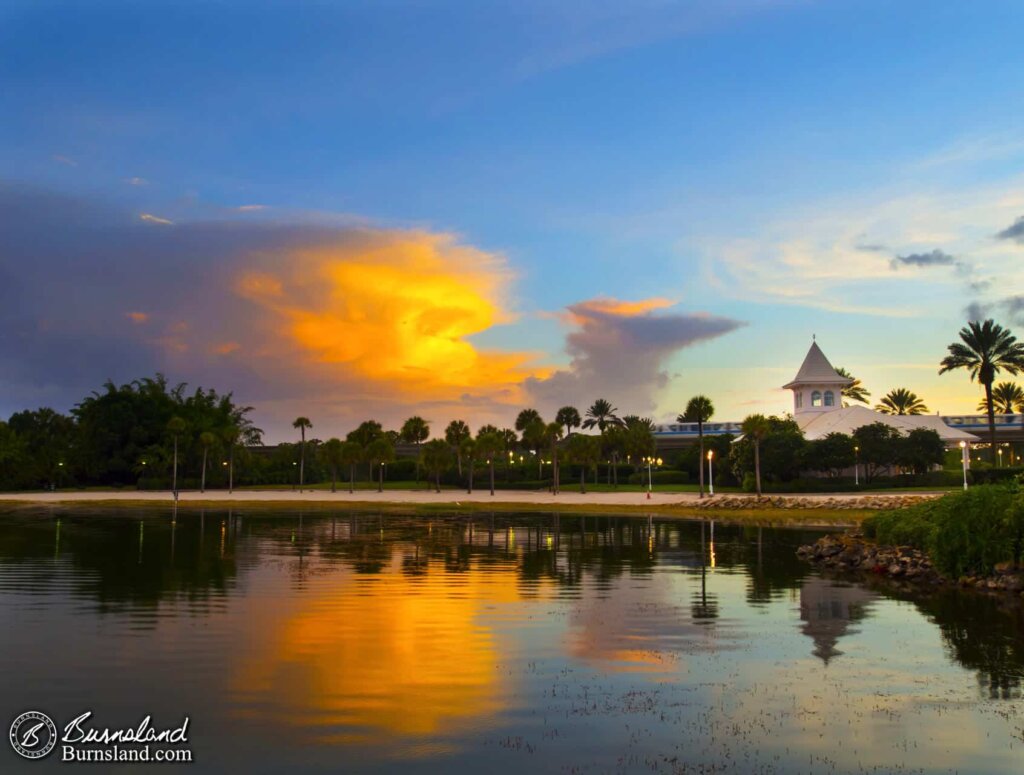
<point x="851" y="552"/>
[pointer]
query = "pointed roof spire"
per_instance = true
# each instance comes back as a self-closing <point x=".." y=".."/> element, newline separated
<point x="816" y="370"/>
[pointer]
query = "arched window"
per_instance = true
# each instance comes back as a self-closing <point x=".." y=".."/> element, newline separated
<point x="830" y="398"/>
<point x="816" y="398"/>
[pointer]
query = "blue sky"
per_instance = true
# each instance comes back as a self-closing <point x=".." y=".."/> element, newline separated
<point x="762" y="162"/>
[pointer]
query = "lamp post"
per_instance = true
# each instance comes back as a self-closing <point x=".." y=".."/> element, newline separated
<point x="711" y="472"/>
<point x="963" y="460"/>
<point x="650" y="476"/>
<point x="856" y="466"/>
<point x="999" y="460"/>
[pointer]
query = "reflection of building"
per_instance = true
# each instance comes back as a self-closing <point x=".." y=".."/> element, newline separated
<point x="827" y="611"/>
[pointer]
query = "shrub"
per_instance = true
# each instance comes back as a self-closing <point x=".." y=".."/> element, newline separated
<point x="965" y="533"/>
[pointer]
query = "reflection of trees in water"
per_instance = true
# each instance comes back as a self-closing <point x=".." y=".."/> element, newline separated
<point x="138" y="561"/>
<point x="984" y="633"/>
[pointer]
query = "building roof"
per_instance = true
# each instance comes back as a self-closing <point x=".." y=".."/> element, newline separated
<point x="816" y="370"/>
<point x="849" y="418"/>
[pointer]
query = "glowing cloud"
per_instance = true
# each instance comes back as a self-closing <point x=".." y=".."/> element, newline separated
<point x="150" y="218"/>
<point x="137" y="317"/>
<point x="395" y="309"/>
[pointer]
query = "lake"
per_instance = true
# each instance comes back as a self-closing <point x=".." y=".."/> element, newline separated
<point x="322" y="642"/>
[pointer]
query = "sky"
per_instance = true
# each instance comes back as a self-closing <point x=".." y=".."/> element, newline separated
<point x="458" y="209"/>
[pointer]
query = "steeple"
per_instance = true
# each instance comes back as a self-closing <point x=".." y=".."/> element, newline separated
<point x="817" y="387"/>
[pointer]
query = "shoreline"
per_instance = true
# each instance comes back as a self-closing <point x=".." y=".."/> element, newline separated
<point x="744" y="509"/>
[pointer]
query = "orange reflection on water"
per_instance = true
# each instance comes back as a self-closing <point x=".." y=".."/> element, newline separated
<point x="369" y="656"/>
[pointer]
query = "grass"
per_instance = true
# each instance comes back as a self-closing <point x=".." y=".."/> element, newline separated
<point x="766" y="517"/>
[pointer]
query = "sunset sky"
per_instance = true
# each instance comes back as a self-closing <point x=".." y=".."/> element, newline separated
<point x="458" y="209"/>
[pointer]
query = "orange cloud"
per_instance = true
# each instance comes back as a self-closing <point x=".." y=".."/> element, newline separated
<point x="609" y="306"/>
<point x="225" y="348"/>
<point x="395" y="309"/>
<point x="137" y="317"/>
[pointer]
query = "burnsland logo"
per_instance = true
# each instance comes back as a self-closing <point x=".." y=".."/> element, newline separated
<point x="34" y="735"/>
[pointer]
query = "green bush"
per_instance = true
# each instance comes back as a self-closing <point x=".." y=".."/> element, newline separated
<point x="989" y="475"/>
<point x="965" y="533"/>
<point x="749" y="482"/>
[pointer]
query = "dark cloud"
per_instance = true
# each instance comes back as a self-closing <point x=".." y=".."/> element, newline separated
<point x="977" y="311"/>
<point x="935" y="258"/>
<point x="1013" y="232"/>
<point x="619" y="351"/>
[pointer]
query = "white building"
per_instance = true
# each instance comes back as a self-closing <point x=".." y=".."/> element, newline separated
<point x="818" y="406"/>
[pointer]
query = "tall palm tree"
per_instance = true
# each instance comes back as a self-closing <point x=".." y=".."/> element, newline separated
<point x="855" y="391"/>
<point x="1008" y="397"/>
<point x="454" y="434"/>
<point x="436" y="456"/>
<point x="302" y="423"/>
<point x="415" y="430"/>
<point x="584" y="451"/>
<point x="467" y="451"/>
<point x="206" y="440"/>
<point x="239" y="430"/>
<point x="984" y="350"/>
<point x="330" y="453"/>
<point x="901" y="401"/>
<point x="699" y="409"/>
<point x="489" y="446"/>
<point x="568" y="416"/>
<point x="552" y="435"/>
<point x="533" y="438"/>
<point x="175" y="426"/>
<point x="756" y="426"/>
<point x="601" y="414"/>
<point x="351" y="455"/>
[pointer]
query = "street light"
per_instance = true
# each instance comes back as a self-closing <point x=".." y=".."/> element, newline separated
<point x="856" y="466"/>
<point x="999" y="463"/>
<point x="711" y="472"/>
<point x="964" y="457"/>
<point x="650" y="477"/>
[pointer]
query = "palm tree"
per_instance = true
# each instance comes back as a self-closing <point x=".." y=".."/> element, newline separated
<point x="525" y="417"/>
<point x="206" y="440"/>
<point x="901" y="401"/>
<point x="330" y="453"/>
<point x="568" y="416"/>
<point x="436" y="456"/>
<point x="699" y="409"/>
<point x="489" y="445"/>
<point x="302" y="423"/>
<point x="351" y="455"/>
<point x="379" y="452"/>
<point x="415" y="430"/>
<point x="454" y="434"/>
<point x="552" y="435"/>
<point x="984" y="350"/>
<point x="1008" y="397"/>
<point x="467" y="450"/>
<point x="175" y="426"/>
<point x="584" y="451"/>
<point x="533" y="438"/>
<point x="601" y="414"/>
<point x="240" y="429"/>
<point x="756" y="426"/>
<point x="509" y="440"/>
<point x="855" y="391"/>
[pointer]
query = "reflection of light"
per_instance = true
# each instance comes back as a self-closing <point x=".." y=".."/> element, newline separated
<point x="550" y="541"/>
<point x="356" y="661"/>
<point x="712" y="545"/>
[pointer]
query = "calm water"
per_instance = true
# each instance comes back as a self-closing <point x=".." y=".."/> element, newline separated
<point x="558" y="644"/>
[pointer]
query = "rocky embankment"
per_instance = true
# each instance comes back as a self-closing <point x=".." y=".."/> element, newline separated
<point x="852" y="552"/>
<point x="837" y="502"/>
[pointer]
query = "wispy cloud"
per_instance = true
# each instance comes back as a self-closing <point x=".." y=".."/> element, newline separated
<point x="136" y="181"/>
<point x="1013" y="232"/>
<point x="150" y="218"/>
<point x="249" y="208"/>
<point x="66" y="160"/>
<point x="934" y="258"/>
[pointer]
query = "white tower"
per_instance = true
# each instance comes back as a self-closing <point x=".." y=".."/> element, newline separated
<point x="817" y="387"/>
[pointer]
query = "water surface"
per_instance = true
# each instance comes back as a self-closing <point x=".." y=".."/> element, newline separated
<point x="333" y="643"/>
